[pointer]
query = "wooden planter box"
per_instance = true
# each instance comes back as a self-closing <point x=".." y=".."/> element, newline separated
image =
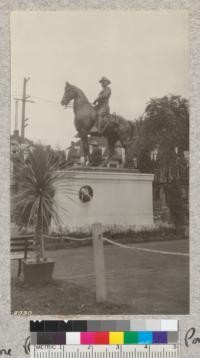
<point x="38" y="271"/>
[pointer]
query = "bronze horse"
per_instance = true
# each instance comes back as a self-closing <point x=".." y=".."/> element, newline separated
<point x="113" y="127"/>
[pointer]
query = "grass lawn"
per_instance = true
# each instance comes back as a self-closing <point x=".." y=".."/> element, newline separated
<point x="138" y="282"/>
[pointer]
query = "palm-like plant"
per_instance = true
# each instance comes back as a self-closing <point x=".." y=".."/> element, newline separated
<point x="34" y="200"/>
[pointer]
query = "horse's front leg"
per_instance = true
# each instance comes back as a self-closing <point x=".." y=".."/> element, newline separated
<point x="86" y="151"/>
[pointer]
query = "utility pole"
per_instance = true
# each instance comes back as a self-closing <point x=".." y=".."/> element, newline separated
<point x="16" y="113"/>
<point x="24" y="99"/>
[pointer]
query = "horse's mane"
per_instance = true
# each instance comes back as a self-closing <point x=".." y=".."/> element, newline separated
<point x="81" y="93"/>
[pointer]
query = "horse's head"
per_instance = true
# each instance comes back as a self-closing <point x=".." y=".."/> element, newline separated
<point x="69" y="94"/>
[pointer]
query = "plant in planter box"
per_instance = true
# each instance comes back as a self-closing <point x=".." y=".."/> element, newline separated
<point x="34" y="205"/>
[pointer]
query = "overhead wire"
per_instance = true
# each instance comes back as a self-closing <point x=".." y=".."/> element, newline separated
<point x="46" y="100"/>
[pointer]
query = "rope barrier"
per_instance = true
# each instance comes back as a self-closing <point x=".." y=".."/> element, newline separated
<point x="144" y="249"/>
<point x="120" y="245"/>
<point x="67" y="238"/>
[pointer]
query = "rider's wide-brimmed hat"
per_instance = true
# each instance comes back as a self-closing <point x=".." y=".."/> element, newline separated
<point x="105" y="79"/>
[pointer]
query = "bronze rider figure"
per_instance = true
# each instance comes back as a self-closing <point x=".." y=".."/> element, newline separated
<point x="102" y="101"/>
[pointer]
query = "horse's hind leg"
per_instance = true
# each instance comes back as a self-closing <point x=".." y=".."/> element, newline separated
<point x="129" y="156"/>
<point x="111" y="147"/>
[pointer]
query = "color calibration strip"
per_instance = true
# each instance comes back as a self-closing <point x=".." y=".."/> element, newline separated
<point x="147" y="337"/>
<point x="156" y="325"/>
<point x="99" y="332"/>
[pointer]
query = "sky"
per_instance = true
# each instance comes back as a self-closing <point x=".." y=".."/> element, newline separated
<point x="145" y="54"/>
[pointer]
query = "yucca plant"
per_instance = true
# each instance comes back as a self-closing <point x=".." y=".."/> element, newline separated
<point x="34" y="198"/>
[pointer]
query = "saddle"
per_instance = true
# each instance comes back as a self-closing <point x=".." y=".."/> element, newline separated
<point x="110" y="119"/>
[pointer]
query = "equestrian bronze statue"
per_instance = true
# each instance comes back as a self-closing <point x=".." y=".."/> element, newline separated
<point x="113" y="127"/>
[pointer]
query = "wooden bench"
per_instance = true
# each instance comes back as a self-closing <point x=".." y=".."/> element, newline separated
<point x="20" y="248"/>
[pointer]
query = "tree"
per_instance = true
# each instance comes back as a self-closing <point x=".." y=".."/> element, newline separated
<point x="165" y="127"/>
<point x="175" y="203"/>
<point x="34" y="199"/>
<point x="164" y="131"/>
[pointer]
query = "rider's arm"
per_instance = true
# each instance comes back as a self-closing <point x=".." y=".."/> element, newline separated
<point x="103" y="95"/>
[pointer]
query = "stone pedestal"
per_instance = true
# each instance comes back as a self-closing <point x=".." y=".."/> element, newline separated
<point x="111" y="197"/>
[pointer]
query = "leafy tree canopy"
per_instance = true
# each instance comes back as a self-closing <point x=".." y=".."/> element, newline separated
<point x="164" y="127"/>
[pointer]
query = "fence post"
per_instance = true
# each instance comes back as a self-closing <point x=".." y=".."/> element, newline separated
<point x="99" y="264"/>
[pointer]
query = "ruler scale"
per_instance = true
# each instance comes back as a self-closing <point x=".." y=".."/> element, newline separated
<point x="105" y="339"/>
<point x="72" y="351"/>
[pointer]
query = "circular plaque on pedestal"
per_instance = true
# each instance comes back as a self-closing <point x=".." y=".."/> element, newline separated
<point x="85" y="193"/>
